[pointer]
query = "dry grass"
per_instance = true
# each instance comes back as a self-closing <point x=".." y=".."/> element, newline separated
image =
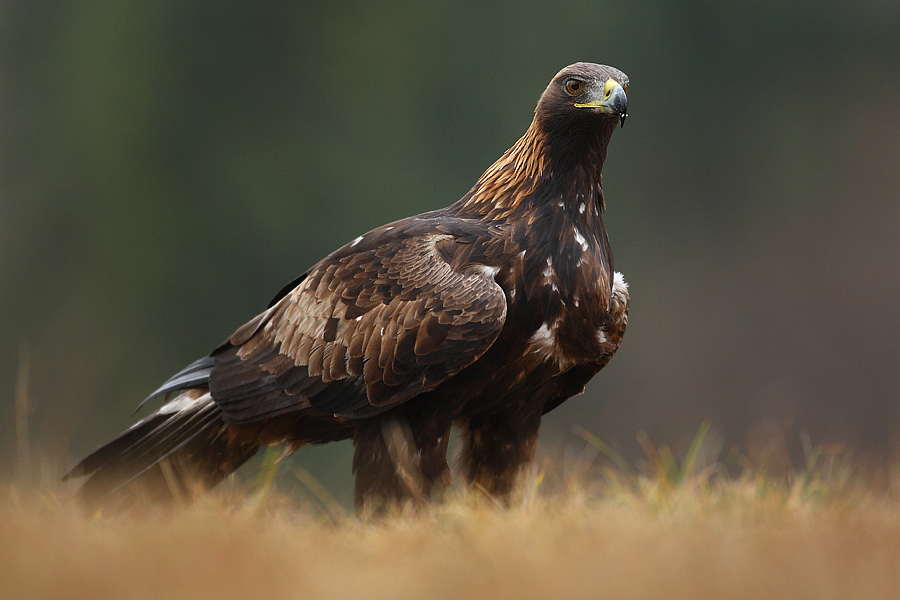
<point x="673" y="534"/>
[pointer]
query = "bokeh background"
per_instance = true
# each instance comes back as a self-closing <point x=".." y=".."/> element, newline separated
<point x="165" y="167"/>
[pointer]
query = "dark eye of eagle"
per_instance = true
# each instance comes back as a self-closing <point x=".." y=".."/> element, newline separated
<point x="574" y="87"/>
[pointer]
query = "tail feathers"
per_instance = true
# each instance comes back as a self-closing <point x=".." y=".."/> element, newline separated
<point x="195" y="375"/>
<point x="183" y="446"/>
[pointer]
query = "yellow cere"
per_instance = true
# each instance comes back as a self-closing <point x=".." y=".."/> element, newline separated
<point x="608" y="88"/>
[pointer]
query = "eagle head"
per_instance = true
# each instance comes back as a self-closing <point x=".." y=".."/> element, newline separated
<point x="585" y="94"/>
<point x="578" y="112"/>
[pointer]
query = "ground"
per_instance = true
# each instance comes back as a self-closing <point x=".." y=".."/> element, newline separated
<point x="668" y="534"/>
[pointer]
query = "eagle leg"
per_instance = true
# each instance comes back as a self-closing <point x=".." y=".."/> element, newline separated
<point x="400" y="458"/>
<point x="495" y="449"/>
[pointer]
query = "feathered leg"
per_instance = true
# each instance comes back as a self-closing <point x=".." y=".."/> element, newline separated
<point x="400" y="458"/>
<point x="496" y="448"/>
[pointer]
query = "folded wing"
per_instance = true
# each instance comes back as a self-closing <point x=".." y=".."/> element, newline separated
<point x="373" y="325"/>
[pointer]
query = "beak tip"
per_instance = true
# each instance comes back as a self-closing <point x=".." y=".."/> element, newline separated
<point x="619" y="103"/>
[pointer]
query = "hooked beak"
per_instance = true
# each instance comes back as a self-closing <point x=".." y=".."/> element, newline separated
<point x="612" y="101"/>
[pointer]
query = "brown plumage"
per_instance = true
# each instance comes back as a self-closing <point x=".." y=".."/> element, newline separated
<point x="483" y="315"/>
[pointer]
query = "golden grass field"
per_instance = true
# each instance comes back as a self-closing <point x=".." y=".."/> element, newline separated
<point x="672" y="533"/>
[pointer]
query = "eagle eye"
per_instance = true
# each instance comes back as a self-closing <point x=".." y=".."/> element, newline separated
<point x="574" y="86"/>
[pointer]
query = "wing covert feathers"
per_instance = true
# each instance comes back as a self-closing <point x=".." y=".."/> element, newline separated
<point x="365" y="330"/>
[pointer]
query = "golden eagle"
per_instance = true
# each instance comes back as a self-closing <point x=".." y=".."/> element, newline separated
<point x="483" y="315"/>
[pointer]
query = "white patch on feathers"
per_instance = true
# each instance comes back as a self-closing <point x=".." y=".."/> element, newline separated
<point x="184" y="401"/>
<point x="580" y="239"/>
<point x="486" y="270"/>
<point x="620" y="290"/>
<point x="619" y="300"/>
<point x="544" y="341"/>
<point x="548" y="270"/>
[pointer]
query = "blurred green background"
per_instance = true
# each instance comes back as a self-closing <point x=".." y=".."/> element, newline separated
<point x="165" y="167"/>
